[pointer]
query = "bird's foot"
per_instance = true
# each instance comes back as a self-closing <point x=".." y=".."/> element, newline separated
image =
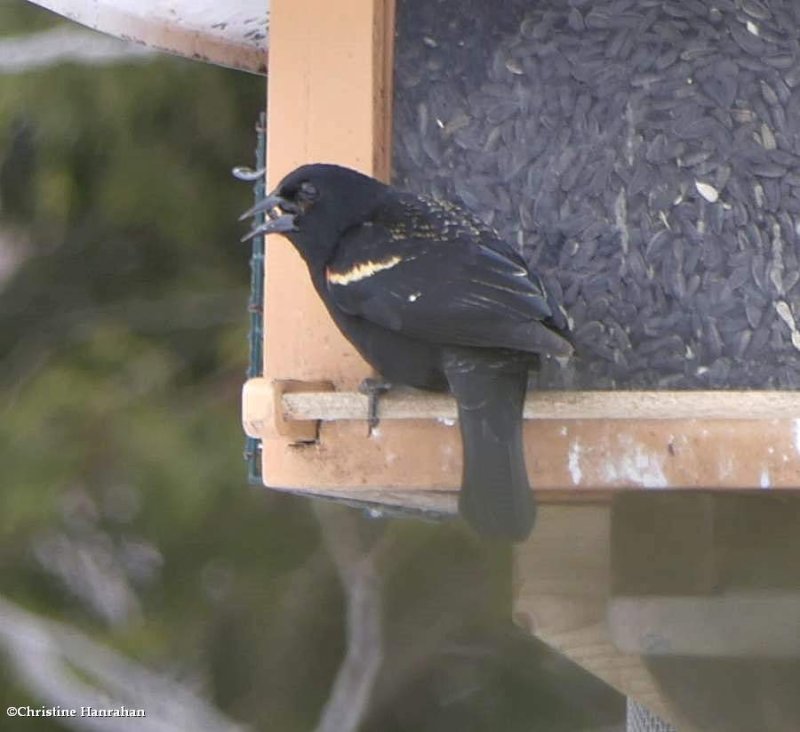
<point x="373" y="389"/>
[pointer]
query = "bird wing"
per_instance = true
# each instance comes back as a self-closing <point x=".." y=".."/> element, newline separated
<point x="428" y="272"/>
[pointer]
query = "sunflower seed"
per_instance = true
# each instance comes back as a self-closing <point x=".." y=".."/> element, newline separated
<point x="707" y="191"/>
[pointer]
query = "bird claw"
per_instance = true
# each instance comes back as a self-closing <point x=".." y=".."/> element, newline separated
<point x="373" y="389"/>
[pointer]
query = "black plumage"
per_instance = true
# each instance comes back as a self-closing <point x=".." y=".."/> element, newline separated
<point x="431" y="297"/>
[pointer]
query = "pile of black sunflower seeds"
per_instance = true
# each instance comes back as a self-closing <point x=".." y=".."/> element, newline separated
<point x="645" y="157"/>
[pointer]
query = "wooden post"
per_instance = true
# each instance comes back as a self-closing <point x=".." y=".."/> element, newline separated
<point x="326" y="65"/>
<point x="329" y="101"/>
<point x="562" y="580"/>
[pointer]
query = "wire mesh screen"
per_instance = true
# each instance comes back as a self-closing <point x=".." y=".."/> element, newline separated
<point x="252" y="450"/>
<point x="641" y="719"/>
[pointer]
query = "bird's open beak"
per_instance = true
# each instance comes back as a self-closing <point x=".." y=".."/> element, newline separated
<point x="280" y="216"/>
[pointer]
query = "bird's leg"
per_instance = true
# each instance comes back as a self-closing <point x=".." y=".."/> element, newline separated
<point x="373" y="389"/>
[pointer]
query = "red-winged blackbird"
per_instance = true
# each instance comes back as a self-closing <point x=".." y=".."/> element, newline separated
<point x="431" y="297"/>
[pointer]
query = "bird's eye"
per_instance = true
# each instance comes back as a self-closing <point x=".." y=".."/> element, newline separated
<point x="308" y="191"/>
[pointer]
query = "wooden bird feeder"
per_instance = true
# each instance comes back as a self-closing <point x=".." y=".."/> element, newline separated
<point x="638" y="586"/>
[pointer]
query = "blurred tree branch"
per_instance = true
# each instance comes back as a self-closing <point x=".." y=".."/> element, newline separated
<point x="357" y="565"/>
<point x="61" y="666"/>
<point x="59" y="45"/>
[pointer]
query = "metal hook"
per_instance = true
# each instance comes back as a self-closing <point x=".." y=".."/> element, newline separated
<point x="247" y="174"/>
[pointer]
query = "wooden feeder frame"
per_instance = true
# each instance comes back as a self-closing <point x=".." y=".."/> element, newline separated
<point x="329" y="100"/>
<point x="330" y="95"/>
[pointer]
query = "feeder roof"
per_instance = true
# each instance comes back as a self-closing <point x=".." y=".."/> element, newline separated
<point x="232" y="33"/>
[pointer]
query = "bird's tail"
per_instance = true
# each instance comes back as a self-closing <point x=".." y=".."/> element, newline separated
<point x="496" y="497"/>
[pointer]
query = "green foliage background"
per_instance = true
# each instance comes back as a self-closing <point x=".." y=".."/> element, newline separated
<point x="122" y="353"/>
